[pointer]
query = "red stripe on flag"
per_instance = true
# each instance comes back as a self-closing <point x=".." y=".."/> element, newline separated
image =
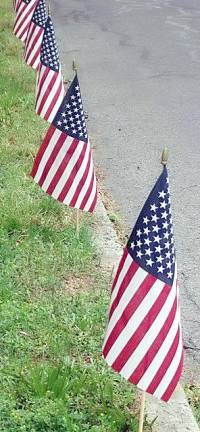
<point x="154" y="348"/>
<point x="47" y="92"/>
<point x="53" y="102"/>
<point x="142" y="329"/>
<point x="125" y="282"/>
<point x="165" y="364"/>
<point x="72" y="176"/>
<point x="63" y="164"/>
<point x="58" y="145"/>
<point x="42" y="149"/>
<point x="88" y="193"/>
<point x="121" y="264"/>
<point x="91" y="209"/>
<point x="166" y="396"/>
<point x="41" y="81"/>
<point x="133" y="304"/>
<point x="80" y="184"/>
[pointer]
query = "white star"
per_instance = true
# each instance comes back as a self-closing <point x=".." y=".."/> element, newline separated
<point x="74" y="103"/>
<point x="162" y="194"/>
<point x="145" y="220"/>
<point x="139" y="254"/>
<point x="139" y="243"/>
<point x="77" y="88"/>
<point x="154" y="218"/>
<point x="74" y="131"/>
<point x="168" y="255"/>
<point x="146" y="230"/>
<point x="161" y="269"/>
<point x="71" y="119"/>
<point x="59" y="123"/>
<point x="80" y="134"/>
<point x="157" y="239"/>
<point x="153" y="207"/>
<point x="168" y="265"/>
<point x="156" y="228"/>
<point x="166" y="235"/>
<point x="165" y="224"/>
<point x="73" y="97"/>
<point x="169" y="274"/>
<point x="132" y="245"/>
<point x="139" y="232"/>
<point x="148" y="252"/>
<point x="64" y="114"/>
<point x="164" y="215"/>
<point x="75" y="110"/>
<point x="149" y="262"/>
<point x="167" y="245"/>
<point x="159" y="259"/>
<point x="158" y="249"/>
<point x="163" y="204"/>
<point x="147" y="241"/>
<point x="68" y="106"/>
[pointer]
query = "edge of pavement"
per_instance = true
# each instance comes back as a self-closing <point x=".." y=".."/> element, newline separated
<point x="176" y="415"/>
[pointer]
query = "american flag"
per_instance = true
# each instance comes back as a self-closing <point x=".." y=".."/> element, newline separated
<point x="24" y="14"/>
<point x="63" y="166"/>
<point x="50" y="87"/>
<point x="143" y="341"/>
<point x="35" y="35"/>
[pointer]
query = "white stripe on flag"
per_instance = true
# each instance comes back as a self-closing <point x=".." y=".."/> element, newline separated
<point x="47" y="154"/>
<point x="45" y="85"/>
<point x="128" y="294"/>
<point x="67" y="172"/>
<point x="85" y="186"/>
<point x="162" y="387"/>
<point x="49" y="100"/>
<point x="160" y="355"/>
<point x="92" y="193"/>
<point x="149" y="337"/>
<point x="134" y="321"/>
<point x="77" y="178"/>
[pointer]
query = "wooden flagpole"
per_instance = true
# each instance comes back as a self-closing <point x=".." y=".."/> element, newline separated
<point x="164" y="159"/>
<point x="142" y="406"/>
<point x="74" y="67"/>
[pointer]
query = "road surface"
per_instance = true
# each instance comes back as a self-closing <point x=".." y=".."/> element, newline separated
<point x="139" y="69"/>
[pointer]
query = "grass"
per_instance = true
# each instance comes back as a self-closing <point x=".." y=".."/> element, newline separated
<point x="53" y="301"/>
<point x="193" y="394"/>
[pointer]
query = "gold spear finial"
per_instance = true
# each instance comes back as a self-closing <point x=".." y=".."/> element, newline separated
<point x="74" y="66"/>
<point x="165" y="155"/>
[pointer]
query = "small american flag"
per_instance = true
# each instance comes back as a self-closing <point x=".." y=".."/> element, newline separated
<point x="63" y="166"/>
<point x="50" y="87"/>
<point x="143" y="341"/>
<point x="25" y="9"/>
<point x="35" y="35"/>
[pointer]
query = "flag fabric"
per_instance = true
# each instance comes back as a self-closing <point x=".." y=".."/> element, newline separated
<point x="16" y="4"/>
<point x="35" y="35"/>
<point x="63" y="166"/>
<point x="143" y="340"/>
<point x="50" y="87"/>
<point x="24" y="14"/>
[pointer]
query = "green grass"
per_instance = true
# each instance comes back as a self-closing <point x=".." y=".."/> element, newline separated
<point x="53" y="301"/>
<point x="193" y="395"/>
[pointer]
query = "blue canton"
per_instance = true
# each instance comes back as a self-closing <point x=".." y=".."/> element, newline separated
<point x="70" y="116"/>
<point x="49" y="51"/>
<point x="40" y="14"/>
<point x="151" y="243"/>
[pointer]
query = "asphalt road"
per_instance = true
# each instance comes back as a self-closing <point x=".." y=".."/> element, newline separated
<point x="139" y="69"/>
